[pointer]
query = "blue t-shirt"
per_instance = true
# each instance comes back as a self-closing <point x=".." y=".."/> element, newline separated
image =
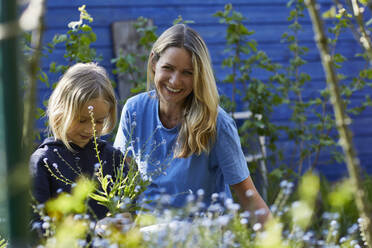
<point x="152" y="145"/>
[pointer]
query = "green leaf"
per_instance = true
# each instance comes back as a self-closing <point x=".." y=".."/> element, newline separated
<point x="331" y="13"/>
<point x="86" y="28"/>
<point x="364" y="2"/>
<point x="99" y="198"/>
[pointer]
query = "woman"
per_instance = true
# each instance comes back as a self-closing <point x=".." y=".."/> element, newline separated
<point x="181" y="139"/>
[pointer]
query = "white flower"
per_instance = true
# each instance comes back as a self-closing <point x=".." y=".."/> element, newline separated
<point x="90" y="108"/>
<point x="77" y="217"/>
<point x="273" y="208"/>
<point x="82" y="242"/>
<point x="353" y="242"/>
<point x="283" y="183"/>
<point x="40" y="206"/>
<point x="45" y="160"/>
<point x="249" y="193"/>
<point x="45" y="225"/>
<point x="55" y="166"/>
<point x="74" y="25"/>
<point x="36" y="225"/>
<point x="260" y="211"/>
<point x="214" y="196"/>
<point x="243" y="221"/>
<point x="223" y="220"/>
<point x="245" y="214"/>
<point x="334" y="224"/>
<point x="200" y="192"/>
<point x="343" y="239"/>
<point x="228" y="202"/>
<point x="257" y="226"/>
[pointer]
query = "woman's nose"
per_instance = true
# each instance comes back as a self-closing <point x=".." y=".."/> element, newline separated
<point x="174" y="79"/>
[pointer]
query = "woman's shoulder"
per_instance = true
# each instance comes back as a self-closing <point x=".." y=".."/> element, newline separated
<point x="224" y="119"/>
<point x="142" y="98"/>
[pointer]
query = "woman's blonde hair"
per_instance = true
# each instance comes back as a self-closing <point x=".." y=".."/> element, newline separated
<point x="198" y="129"/>
<point x="79" y="84"/>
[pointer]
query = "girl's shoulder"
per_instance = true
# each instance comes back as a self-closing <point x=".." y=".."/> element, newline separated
<point x="106" y="146"/>
<point x="46" y="151"/>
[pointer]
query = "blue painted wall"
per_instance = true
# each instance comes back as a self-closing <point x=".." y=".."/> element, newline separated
<point x="267" y="18"/>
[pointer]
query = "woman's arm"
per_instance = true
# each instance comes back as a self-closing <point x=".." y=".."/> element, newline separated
<point x="250" y="200"/>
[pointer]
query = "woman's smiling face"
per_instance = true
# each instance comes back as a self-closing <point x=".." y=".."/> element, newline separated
<point x="173" y="76"/>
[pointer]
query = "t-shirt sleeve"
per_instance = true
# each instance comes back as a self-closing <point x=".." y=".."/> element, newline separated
<point x="123" y="135"/>
<point x="228" y="151"/>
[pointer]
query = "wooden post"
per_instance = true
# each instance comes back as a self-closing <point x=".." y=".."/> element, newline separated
<point x="125" y="41"/>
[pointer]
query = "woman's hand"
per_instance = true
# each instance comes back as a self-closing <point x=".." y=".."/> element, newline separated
<point x="119" y="222"/>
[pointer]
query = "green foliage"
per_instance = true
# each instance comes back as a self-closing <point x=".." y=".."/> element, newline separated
<point x="310" y="137"/>
<point x="243" y="57"/>
<point x="180" y="20"/>
<point x="77" y="42"/>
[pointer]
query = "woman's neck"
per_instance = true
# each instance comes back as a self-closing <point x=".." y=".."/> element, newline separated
<point x="170" y="116"/>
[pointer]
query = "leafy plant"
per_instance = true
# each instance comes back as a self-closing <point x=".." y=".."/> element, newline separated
<point x="118" y="194"/>
<point x="254" y="95"/>
<point x="77" y="42"/>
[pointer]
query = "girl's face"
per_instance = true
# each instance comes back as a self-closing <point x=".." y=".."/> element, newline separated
<point x="81" y="131"/>
<point x="174" y="76"/>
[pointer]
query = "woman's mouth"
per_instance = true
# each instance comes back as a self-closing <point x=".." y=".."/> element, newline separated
<point x="173" y="90"/>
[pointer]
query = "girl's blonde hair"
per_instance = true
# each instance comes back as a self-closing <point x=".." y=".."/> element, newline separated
<point x="198" y="129"/>
<point x="80" y="84"/>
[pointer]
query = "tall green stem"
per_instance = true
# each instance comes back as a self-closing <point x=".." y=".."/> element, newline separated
<point x="342" y="121"/>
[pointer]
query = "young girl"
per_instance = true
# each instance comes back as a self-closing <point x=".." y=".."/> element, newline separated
<point x="70" y="153"/>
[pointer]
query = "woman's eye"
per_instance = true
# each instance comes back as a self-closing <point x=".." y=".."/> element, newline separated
<point x="100" y="121"/>
<point x="188" y="73"/>
<point x="82" y="121"/>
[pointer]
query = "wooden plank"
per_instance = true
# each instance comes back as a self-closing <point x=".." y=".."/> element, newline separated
<point x="125" y="41"/>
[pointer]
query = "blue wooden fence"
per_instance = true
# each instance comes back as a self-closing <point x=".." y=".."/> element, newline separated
<point x="267" y="18"/>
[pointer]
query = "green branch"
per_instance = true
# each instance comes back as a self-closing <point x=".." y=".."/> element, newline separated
<point x="342" y="121"/>
<point x="33" y="70"/>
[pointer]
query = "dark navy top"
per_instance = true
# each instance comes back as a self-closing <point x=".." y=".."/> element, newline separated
<point x="52" y="156"/>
